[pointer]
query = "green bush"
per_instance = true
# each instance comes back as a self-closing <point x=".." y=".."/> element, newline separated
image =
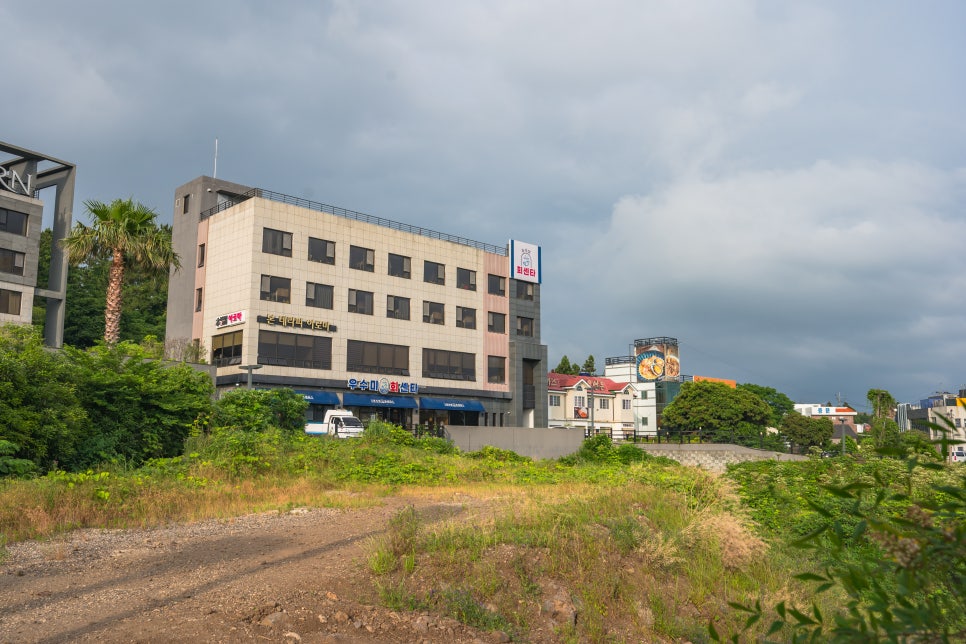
<point x="259" y="409"/>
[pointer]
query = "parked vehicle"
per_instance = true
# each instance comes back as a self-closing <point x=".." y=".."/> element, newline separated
<point x="338" y="423"/>
<point x="958" y="454"/>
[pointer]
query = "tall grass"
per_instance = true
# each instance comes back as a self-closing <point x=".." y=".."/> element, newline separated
<point x="639" y="548"/>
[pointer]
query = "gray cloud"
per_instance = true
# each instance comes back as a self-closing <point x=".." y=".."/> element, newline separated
<point x="779" y="185"/>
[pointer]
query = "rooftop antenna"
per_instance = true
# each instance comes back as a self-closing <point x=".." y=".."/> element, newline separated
<point x="215" y="173"/>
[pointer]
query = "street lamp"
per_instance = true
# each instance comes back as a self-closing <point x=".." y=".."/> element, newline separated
<point x="590" y="397"/>
<point x="250" y="368"/>
<point x="842" y="429"/>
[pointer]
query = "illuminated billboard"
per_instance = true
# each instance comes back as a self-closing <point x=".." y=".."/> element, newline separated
<point x="657" y="359"/>
<point x="524" y="261"/>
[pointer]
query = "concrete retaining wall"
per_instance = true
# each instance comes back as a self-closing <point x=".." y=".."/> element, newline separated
<point x="538" y="443"/>
<point x="716" y="457"/>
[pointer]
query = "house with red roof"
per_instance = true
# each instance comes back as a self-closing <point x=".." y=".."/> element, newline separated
<point x="593" y="403"/>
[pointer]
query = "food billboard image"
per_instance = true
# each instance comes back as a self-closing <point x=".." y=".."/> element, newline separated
<point x="657" y="359"/>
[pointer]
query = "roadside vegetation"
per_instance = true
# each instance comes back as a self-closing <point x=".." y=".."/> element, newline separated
<point x="608" y="544"/>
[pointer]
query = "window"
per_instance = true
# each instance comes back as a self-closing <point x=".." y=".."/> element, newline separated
<point x="496" y="322"/>
<point x="360" y="302"/>
<point x="400" y="266"/>
<point x="644" y="421"/>
<point x="276" y="289"/>
<point x="434" y="273"/>
<point x="376" y="357"/>
<point x="554" y="400"/>
<point x="362" y="259"/>
<point x="321" y="250"/>
<point x="12" y="221"/>
<point x="11" y="262"/>
<point x="276" y="242"/>
<point x="603" y="403"/>
<point x="626" y="404"/>
<point x="198" y="299"/>
<point x="524" y="290"/>
<point x="201" y="255"/>
<point x="294" y="350"/>
<point x="433" y="313"/>
<point x="318" y="295"/>
<point x="579" y="401"/>
<point x="449" y="365"/>
<point x="496" y="285"/>
<point x="185" y="203"/>
<point x="397" y="307"/>
<point x="10" y="301"/>
<point x="466" y="279"/>
<point x="643" y="395"/>
<point x="465" y="318"/>
<point x="525" y="327"/>
<point x="226" y="349"/>
<point x="495" y="369"/>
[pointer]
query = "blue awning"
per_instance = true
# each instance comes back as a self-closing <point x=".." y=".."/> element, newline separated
<point x="377" y="400"/>
<point x="450" y="404"/>
<point x="319" y="397"/>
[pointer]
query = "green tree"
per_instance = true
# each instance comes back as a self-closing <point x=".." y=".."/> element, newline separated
<point x="40" y="414"/>
<point x="258" y="410"/>
<point x="139" y="408"/>
<point x="724" y="414"/>
<point x="589" y="367"/>
<point x="806" y="432"/>
<point x="127" y="234"/>
<point x="565" y="366"/>
<point x="780" y="403"/>
<point x="882" y="402"/>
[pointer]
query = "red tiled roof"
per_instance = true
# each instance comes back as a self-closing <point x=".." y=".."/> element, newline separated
<point x="560" y="381"/>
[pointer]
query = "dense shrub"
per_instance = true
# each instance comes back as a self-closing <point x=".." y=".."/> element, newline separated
<point x="259" y="409"/>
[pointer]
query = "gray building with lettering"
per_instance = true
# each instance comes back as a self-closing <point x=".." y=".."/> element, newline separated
<point x="23" y="175"/>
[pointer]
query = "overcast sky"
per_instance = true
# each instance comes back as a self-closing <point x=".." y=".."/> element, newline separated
<point x="779" y="185"/>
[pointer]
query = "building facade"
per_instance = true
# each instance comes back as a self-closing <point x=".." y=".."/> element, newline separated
<point x="940" y="410"/>
<point x="23" y="174"/>
<point x="392" y="321"/>
<point x="592" y="403"/>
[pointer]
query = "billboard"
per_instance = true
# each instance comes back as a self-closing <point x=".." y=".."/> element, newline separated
<point x="657" y="359"/>
<point x="524" y="261"/>
<point x="725" y="381"/>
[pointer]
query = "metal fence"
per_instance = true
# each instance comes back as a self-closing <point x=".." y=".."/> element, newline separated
<point x="355" y="216"/>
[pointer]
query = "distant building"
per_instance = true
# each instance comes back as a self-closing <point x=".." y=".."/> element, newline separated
<point x="934" y="410"/>
<point x="653" y="373"/>
<point x="595" y="404"/>
<point x="389" y="320"/>
<point x="23" y="173"/>
<point x="843" y="418"/>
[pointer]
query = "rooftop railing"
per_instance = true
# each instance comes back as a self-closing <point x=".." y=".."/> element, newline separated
<point x="351" y="214"/>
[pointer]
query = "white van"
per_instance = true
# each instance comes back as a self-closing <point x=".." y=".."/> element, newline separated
<point x="338" y="423"/>
<point x="957" y="454"/>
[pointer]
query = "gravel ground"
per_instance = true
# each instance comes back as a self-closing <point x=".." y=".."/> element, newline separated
<point x="279" y="577"/>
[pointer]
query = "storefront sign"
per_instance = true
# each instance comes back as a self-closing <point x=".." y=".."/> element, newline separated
<point x="238" y="317"/>
<point x="10" y="180"/>
<point x="296" y="322"/>
<point x="383" y="386"/>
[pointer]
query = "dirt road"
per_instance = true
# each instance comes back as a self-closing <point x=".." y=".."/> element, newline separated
<point x="278" y="577"/>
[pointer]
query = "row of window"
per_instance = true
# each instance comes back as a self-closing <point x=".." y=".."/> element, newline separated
<point x="12" y="221"/>
<point x="315" y="352"/>
<point x="580" y="401"/>
<point x="279" y="242"/>
<point x="279" y="289"/>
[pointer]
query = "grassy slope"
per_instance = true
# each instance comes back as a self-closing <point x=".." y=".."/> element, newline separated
<point x="641" y="550"/>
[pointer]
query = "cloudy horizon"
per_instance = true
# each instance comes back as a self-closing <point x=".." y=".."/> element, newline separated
<point x="778" y="185"/>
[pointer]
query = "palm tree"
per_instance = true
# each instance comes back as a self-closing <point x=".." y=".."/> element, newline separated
<point x="126" y="233"/>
